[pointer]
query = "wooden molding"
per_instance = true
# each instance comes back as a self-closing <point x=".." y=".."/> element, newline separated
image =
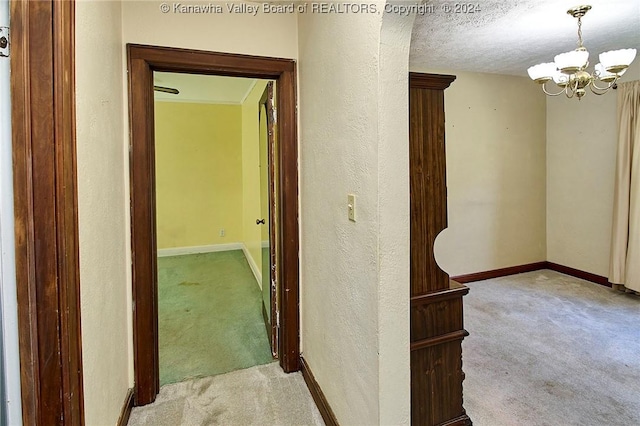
<point x="588" y="276"/>
<point x="455" y="291"/>
<point x="430" y="81"/>
<point x="463" y="420"/>
<point x="142" y="62"/>
<point x="127" y="406"/>
<point x="318" y="396"/>
<point x="45" y="200"/>
<point x="530" y="267"/>
<point x="212" y="248"/>
<point x="502" y="272"/>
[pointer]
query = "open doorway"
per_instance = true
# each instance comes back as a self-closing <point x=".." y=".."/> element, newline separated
<point x="215" y="141"/>
<point x="143" y="61"/>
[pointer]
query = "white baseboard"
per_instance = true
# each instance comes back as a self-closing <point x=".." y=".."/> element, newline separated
<point x="257" y="272"/>
<point x="179" y="251"/>
<point x="265" y="244"/>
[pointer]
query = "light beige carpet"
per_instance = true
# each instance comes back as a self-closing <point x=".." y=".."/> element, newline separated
<point x="262" y="395"/>
<point x="549" y="349"/>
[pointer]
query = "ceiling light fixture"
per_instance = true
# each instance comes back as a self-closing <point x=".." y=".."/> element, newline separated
<point x="568" y="70"/>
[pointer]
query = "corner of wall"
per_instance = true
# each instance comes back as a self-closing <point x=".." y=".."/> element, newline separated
<point x="103" y="232"/>
<point x="393" y="206"/>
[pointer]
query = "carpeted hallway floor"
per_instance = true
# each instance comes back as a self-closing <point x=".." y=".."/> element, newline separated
<point x="209" y="316"/>
<point x="262" y="395"/>
<point x="548" y="349"/>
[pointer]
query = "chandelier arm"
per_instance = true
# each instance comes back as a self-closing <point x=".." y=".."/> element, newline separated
<point x="598" y="90"/>
<point x="544" y="89"/>
<point x="603" y="90"/>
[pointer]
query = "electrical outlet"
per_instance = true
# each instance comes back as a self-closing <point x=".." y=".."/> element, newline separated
<point x="222" y="232"/>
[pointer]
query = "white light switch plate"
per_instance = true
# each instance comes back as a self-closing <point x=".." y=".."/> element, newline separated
<point x="351" y="207"/>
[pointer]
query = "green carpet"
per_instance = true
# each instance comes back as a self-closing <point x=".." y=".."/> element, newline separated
<point x="209" y="316"/>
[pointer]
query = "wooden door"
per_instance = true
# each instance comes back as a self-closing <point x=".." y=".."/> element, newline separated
<point x="436" y="301"/>
<point x="270" y="212"/>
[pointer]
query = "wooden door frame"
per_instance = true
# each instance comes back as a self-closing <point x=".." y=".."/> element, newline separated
<point x="45" y="202"/>
<point x="142" y="61"/>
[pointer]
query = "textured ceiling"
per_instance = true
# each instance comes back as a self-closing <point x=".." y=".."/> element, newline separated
<point x="506" y="37"/>
<point x="203" y="88"/>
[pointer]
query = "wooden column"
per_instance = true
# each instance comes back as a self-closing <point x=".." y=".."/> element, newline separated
<point x="436" y="301"/>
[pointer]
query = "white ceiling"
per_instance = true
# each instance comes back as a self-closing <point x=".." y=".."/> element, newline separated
<point x="507" y="37"/>
<point x="203" y="88"/>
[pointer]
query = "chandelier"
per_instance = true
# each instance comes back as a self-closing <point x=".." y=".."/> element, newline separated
<point x="568" y="70"/>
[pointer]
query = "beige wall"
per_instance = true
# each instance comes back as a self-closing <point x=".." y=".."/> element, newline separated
<point x="102" y="216"/>
<point x="263" y="34"/>
<point x="581" y="157"/>
<point x="495" y="138"/>
<point x="354" y="276"/>
<point x="394" y="381"/>
<point x="199" y="170"/>
<point x="339" y="262"/>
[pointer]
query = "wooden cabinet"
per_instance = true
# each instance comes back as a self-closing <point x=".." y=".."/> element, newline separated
<point x="436" y="301"/>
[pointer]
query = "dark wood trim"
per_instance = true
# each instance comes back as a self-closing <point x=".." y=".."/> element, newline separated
<point x="318" y="396"/>
<point x="45" y="200"/>
<point x="430" y="81"/>
<point x="170" y="59"/>
<point x="142" y="61"/>
<point x="438" y="340"/>
<point x="502" y="272"/>
<point x="288" y="238"/>
<point x="530" y="267"/>
<point x="452" y="293"/>
<point x="437" y="328"/>
<point x="588" y="276"/>
<point x="127" y="406"/>
<point x="463" y="420"/>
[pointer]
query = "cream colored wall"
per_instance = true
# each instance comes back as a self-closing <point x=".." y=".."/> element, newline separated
<point x="264" y="34"/>
<point x="339" y="259"/>
<point x="354" y="276"/>
<point x="394" y="381"/>
<point x="102" y="216"/>
<point x="199" y="170"/>
<point x="581" y="157"/>
<point x="495" y="141"/>
<point x="252" y="210"/>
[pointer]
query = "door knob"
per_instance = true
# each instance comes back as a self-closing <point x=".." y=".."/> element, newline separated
<point x="259" y="221"/>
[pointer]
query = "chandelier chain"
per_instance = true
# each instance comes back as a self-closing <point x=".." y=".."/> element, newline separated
<point x="580" y="33"/>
